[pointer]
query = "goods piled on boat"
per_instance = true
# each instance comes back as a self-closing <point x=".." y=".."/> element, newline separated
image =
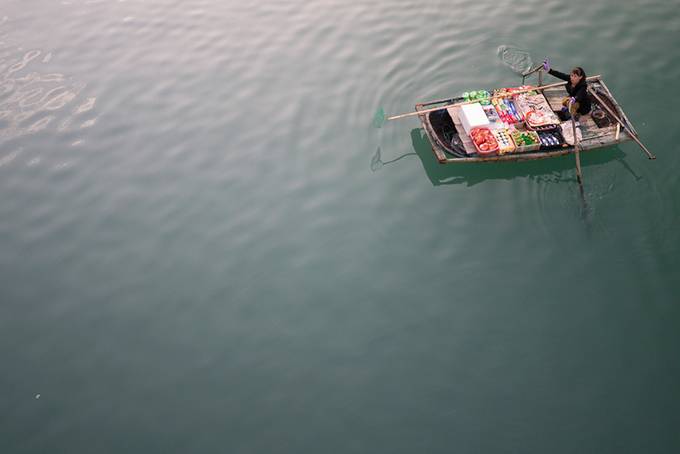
<point x="484" y="141"/>
<point x="509" y="123"/>
<point x="520" y="123"/>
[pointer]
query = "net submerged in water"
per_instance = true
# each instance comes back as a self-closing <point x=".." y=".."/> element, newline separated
<point x="379" y="118"/>
<point x="515" y="58"/>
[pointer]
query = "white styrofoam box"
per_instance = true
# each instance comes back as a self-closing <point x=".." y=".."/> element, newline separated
<point x="472" y="116"/>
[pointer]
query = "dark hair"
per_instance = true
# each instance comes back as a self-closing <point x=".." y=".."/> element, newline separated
<point x="579" y="71"/>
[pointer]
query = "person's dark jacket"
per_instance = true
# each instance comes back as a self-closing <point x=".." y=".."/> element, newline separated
<point x="579" y="91"/>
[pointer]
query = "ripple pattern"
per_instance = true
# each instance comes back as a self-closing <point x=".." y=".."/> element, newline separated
<point x="31" y="100"/>
<point x="205" y="245"/>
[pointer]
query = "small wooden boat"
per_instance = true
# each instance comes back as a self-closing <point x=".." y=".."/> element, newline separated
<point x="604" y="126"/>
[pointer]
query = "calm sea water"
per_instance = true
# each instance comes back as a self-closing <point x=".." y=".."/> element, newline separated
<point x="205" y="245"/>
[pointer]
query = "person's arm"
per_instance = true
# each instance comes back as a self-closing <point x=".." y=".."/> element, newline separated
<point x="558" y="74"/>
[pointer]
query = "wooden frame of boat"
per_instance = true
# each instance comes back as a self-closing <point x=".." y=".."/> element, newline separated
<point x="593" y="137"/>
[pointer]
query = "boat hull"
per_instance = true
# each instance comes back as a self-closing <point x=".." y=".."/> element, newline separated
<point x="448" y="147"/>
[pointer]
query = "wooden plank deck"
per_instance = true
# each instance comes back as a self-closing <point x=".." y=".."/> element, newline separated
<point x="593" y="136"/>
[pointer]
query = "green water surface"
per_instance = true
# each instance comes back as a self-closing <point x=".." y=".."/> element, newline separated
<point x="207" y="247"/>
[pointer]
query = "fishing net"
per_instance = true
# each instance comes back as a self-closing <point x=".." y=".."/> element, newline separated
<point x="376" y="161"/>
<point x="515" y="58"/>
<point x="379" y="118"/>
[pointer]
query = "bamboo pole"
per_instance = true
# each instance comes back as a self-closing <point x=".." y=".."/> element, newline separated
<point x="623" y="114"/>
<point x="579" y="177"/>
<point x="527" y="74"/>
<point x="632" y="134"/>
<point x="437" y="101"/>
<point x="531" y="71"/>
<point x="540" y="87"/>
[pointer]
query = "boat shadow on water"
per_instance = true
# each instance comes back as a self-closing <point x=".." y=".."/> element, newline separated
<point x="473" y="173"/>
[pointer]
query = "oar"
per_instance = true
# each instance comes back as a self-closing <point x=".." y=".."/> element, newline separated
<point x="577" y="155"/>
<point x="633" y="135"/>
<point x="541" y="87"/>
<point x="576" y="147"/>
<point x="440" y="101"/>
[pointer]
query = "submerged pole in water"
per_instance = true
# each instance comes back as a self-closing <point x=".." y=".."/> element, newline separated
<point x="579" y="177"/>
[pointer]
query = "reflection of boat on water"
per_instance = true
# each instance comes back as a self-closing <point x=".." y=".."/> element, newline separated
<point x="474" y="173"/>
<point x="451" y="132"/>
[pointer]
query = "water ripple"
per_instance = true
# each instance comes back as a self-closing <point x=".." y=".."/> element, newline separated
<point x="31" y="101"/>
<point x="193" y="188"/>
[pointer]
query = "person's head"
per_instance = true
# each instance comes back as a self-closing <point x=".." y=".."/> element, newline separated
<point x="577" y="75"/>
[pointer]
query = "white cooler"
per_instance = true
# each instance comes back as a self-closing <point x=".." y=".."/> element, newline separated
<point x="473" y="116"/>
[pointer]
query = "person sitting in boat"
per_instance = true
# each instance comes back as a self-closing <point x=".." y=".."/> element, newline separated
<point x="577" y="89"/>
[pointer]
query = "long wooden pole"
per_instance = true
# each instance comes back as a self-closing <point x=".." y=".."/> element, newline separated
<point x="633" y="135"/>
<point x="542" y="87"/>
<point x="531" y="71"/>
<point x="527" y="74"/>
<point x="579" y="177"/>
<point x="437" y="101"/>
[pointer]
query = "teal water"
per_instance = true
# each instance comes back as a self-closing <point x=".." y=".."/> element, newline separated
<point x="206" y="246"/>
